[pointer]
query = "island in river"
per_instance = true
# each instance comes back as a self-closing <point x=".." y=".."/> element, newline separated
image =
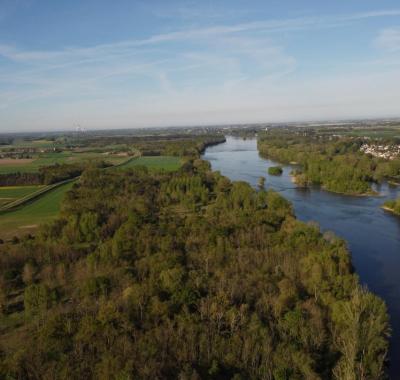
<point x="335" y="163"/>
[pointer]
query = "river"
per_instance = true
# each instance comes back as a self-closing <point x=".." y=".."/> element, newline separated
<point x="373" y="235"/>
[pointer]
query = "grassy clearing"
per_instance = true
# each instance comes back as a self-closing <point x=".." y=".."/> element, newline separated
<point x="87" y="156"/>
<point x="48" y="159"/>
<point x="386" y="134"/>
<point x="40" y="143"/>
<point x="168" y="163"/>
<point x="28" y="217"/>
<point x="11" y="193"/>
<point x="35" y="164"/>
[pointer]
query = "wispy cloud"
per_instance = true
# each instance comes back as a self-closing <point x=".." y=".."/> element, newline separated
<point x="389" y="39"/>
<point x="278" y="25"/>
<point x="216" y="56"/>
<point x="204" y="70"/>
<point x="375" y="14"/>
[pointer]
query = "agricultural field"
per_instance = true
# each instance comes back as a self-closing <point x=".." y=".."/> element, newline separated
<point x="167" y="163"/>
<point x="48" y="159"/>
<point x="87" y="156"/>
<point x="28" y="217"/>
<point x="31" y="165"/>
<point x="382" y="134"/>
<point x="372" y="133"/>
<point x="11" y="193"/>
<point x="40" y="143"/>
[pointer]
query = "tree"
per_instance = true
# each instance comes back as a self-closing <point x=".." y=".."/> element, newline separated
<point x="261" y="183"/>
<point x="361" y="334"/>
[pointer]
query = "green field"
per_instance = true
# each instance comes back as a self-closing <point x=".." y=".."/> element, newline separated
<point x="31" y="167"/>
<point x="384" y="133"/>
<point x="374" y="134"/>
<point x="168" y="163"/>
<point x="86" y="156"/>
<point x="48" y="159"/>
<point x="11" y="193"/>
<point x="27" y="218"/>
<point x="40" y="143"/>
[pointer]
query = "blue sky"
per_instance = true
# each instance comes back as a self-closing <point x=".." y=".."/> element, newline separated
<point x="121" y="64"/>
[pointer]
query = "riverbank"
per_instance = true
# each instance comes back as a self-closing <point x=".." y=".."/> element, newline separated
<point x="390" y="210"/>
<point x="392" y="206"/>
<point x="372" y="235"/>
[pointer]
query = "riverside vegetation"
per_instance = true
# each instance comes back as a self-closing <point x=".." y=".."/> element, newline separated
<point x="187" y="275"/>
<point x="275" y="170"/>
<point x="393" y="206"/>
<point x="334" y="163"/>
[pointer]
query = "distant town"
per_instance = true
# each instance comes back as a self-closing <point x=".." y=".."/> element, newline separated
<point x="388" y="152"/>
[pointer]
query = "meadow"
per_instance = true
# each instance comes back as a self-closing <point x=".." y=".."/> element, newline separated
<point x="167" y="163"/>
<point x="37" y="143"/>
<point x="41" y="209"/>
<point x="28" y="217"/>
<point x="373" y="133"/>
<point x="48" y="159"/>
<point x="11" y="193"/>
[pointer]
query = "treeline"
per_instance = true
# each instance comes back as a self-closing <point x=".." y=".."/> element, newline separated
<point x="20" y="179"/>
<point x="156" y="145"/>
<point x="48" y="175"/>
<point x="6" y="140"/>
<point x="61" y="172"/>
<point x="336" y="164"/>
<point x="184" y="276"/>
<point x="181" y="146"/>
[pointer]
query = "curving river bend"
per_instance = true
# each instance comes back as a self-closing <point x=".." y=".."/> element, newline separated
<point x="373" y="234"/>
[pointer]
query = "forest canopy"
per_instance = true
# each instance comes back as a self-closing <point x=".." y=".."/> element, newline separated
<point x="184" y="275"/>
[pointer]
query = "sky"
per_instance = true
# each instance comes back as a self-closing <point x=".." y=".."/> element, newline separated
<point x="144" y="63"/>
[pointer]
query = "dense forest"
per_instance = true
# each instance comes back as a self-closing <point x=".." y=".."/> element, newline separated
<point x="185" y="275"/>
<point x="336" y="164"/>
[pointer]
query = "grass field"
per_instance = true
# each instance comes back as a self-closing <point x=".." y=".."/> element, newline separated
<point x="11" y="193"/>
<point x="374" y="134"/>
<point x="33" y="166"/>
<point x="28" y="217"/>
<point x="41" y="143"/>
<point x="113" y="159"/>
<point x="168" y="163"/>
<point x="47" y="159"/>
<point x="367" y="132"/>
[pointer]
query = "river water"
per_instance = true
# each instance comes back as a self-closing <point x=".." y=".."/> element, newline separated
<point x="373" y="235"/>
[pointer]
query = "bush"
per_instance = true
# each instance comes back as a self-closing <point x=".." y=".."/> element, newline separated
<point x="275" y="170"/>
